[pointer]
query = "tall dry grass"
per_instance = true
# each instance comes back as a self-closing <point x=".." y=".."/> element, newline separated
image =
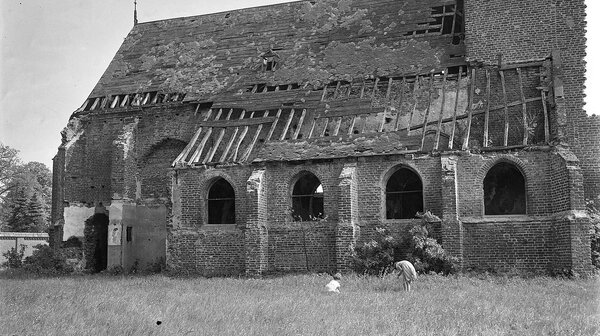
<point x="298" y="305"/>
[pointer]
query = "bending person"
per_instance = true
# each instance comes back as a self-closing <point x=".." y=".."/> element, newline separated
<point x="407" y="273"/>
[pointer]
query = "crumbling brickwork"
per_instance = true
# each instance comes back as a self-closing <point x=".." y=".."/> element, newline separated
<point x="348" y="92"/>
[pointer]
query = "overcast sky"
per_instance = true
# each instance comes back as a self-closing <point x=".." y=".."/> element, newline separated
<point x="52" y="53"/>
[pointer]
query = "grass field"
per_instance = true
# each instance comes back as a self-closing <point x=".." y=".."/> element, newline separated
<point x="298" y="305"/>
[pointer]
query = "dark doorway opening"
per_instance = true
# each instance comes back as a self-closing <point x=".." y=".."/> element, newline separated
<point x="96" y="242"/>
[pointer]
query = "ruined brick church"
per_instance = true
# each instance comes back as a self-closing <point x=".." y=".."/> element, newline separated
<point x="277" y="138"/>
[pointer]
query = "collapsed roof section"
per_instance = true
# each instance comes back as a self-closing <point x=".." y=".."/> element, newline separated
<point x="304" y="44"/>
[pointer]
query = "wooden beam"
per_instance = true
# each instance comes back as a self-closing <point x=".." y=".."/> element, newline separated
<point x="231" y="140"/>
<point x="146" y="97"/>
<point x="465" y="145"/>
<point x="382" y="123"/>
<point x="211" y="153"/>
<point x="324" y="93"/>
<point x="350" y="110"/>
<point x="218" y="115"/>
<point x="337" y="88"/>
<point x="486" y="123"/>
<point x="155" y="99"/>
<point x="253" y="143"/>
<point x="272" y="129"/>
<point x="300" y="124"/>
<point x="325" y="128"/>
<point x="401" y="101"/>
<point x="441" y="116"/>
<point x="312" y="127"/>
<point x="546" y="126"/>
<point x="364" y="118"/>
<point x="103" y="102"/>
<point x="505" y="142"/>
<point x="451" y="142"/>
<point x="362" y="89"/>
<point x="287" y="125"/>
<point x="238" y="122"/>
<point x="475" y="113"/>
<point x="242" y="136"/>
<point x="426" y="117"/>
<point x="522" y="65"/>
<point x="337" y="127"/>
<point x="412" y="112"/>
<point x="374" y="88"/>
<point x="95" y="104"/>
<point x="524" y="108"/>
<point x="115" y="101"/>
<point x="351" y="128"/>
<point x="183" y="155"/>
<point x="200" y="147"/>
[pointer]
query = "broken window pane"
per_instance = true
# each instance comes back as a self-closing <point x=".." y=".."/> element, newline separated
<point x="221" y="203"/>
<point x="403" y="195"/>
<point x="307" y="199"/>
<point x="504" y="190"/>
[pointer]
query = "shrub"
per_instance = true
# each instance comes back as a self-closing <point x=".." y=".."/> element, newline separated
<point x="415" y="245"/>
<point x="73" y="241"/>
<point x="46" y="261"/>
<point x="593" y="209"/>
<point x="14" y="257"/>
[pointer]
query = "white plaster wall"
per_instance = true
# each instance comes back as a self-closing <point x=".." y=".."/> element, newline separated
<point x="75" y="217"/>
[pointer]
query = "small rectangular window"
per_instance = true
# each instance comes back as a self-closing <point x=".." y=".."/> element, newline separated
<point x="128" y="233"/>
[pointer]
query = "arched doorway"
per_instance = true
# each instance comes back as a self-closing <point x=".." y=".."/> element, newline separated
<point x="96" y="242"/>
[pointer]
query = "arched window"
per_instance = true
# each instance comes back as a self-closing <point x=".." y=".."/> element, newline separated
<point x="403" y="194"/>
<point x="504" y="190"/>
<point x="307" y="198"/>
<point x="221" y="203"/>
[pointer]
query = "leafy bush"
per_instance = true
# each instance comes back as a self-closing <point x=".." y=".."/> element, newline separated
<point x="414" y="245"/>
<point x="593" y="208"/>
<point x="72" y="242"/>
<point x="46" y="261"/>
<point x="14" y="257"/>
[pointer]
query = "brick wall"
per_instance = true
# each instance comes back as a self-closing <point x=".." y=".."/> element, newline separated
<point x="522" y="242"/>
<point x="589" y="160"/>
<point x="530" y="30"/>
<point x="205" y="252"/>
<point x="509" y="243"/>
<point x="153" y="169"/>
<point x="535" y="167"/>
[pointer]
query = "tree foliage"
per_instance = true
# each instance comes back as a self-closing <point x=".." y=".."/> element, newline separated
<point x="25" y="193"/>
<point x="593" y="209"/>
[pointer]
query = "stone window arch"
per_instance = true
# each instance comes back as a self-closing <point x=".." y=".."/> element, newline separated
<point x="403" y="194"/>
<point x="221" y="202"/>
<point x="307" y="198"/>
<point x="504" y="190"/>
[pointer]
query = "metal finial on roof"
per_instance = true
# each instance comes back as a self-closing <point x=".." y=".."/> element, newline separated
<point x="135" y="20"/>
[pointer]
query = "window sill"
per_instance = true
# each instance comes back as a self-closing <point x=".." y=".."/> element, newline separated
<point x="219" y="227"/>
<point x="401" y="221"/>
<point x="501" y="218"/>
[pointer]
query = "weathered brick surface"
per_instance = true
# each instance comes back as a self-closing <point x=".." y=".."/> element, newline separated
<point x="126" y="153"/>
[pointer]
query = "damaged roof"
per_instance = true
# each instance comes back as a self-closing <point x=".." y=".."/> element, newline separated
<point x="223" y="56"/>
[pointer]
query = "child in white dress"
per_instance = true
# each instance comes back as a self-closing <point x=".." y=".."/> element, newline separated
<point x="334" y="285"/>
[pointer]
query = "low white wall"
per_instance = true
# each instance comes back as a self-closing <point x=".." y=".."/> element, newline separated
<point x="9" y="240"/>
